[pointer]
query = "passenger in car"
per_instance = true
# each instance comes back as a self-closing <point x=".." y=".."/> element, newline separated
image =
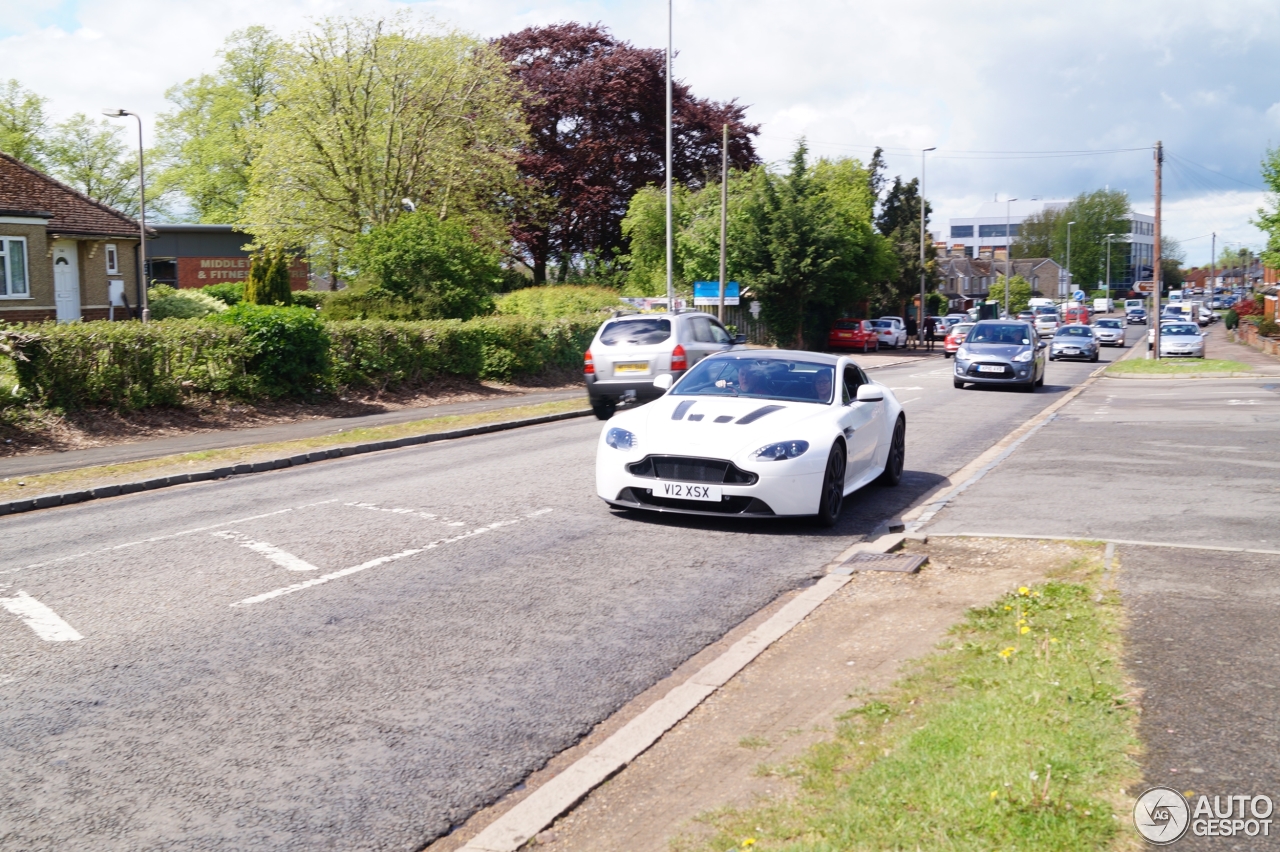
<point x="822" y="386"/>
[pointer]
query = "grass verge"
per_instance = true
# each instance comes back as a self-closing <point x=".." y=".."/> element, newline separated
<point x="70" y="480"/>
<point x="1166" y="366"/>
<point x="1017" y="735"/>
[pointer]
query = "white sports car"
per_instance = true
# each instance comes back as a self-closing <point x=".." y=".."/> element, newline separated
<point x="762" y="433"/>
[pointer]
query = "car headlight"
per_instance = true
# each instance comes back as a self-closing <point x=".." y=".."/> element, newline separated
<point x="621" y="439"/>
<point x="1023" y="357"/>
<point x="962" y="353"/>
<point x="781" y="451"/>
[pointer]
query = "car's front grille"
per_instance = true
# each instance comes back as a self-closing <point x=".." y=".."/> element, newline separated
<point x="730" y="505"/>
<point x="687" y="469"/>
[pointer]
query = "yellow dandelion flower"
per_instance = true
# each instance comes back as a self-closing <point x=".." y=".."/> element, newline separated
<point x="1053" y="641"/>
<point x="1025" y="629"/>
<point x="1023" y="590"/>
<point x="1007" y="608"/>
<point x="995" y="794"/>
<point x="748" y="843"/>
<point x="1006" y="652"/>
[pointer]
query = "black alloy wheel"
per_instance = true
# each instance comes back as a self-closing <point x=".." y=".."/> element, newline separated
<point x="897" y="453"/>
<point x="603" y="408"/>
<point x="832" y="498"/>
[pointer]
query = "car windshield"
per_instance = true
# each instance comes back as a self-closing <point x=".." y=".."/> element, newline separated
<point x="759" y="378"/>
<point x="1074" y="331"/>
<point x="1177" y="328"/>
<point x="1109" y="323"/>
<point x="999" y="333"/>
<point x="962" y="328"/>
<point x="641" y="331"/>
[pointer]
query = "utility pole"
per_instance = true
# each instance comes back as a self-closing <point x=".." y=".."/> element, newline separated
<point x="1109" y="237"/>
<point x="1213" y="265"/>
<point x="1008" y="255"/>
<point x="1069" y="288"/>
<point x="671" y="287"/>
<point x="1155" y="267"/>
<point x="920" y="313"/>
<point x="724" y="215"/>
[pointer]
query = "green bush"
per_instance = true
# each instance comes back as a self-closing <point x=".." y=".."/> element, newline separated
<point x="128" y="365"/>
<point x="268" y="282"/>
<point x="168" y="303"/>
<point x="310" y="298"/>
<point x="1268" y="328"/>
<point x="437" y="264"/>
<point x="231" y="293"/>
<point x="372" y="303"/>
<point x="288" y="348"/>
<point x="555" y="301"/>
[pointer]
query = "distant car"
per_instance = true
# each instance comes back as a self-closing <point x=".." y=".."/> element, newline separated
<point x="1046" y="324"/>
<point x="1027" y="316"/>
<point x="1074" y="341"/>
<point x="1110" y="331"/>
<point x="955" y="338"/>
<point x="891" y="334"/>
<point x="1136" y="316"/>
<point x="1075" y="315"/>
<point x="630" y="350"/>
<point x="1001" y="352"/>
<point x="1181" y="339"/>
<point x="853" y="334"/>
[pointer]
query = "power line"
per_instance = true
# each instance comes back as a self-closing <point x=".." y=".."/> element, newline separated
<point x="1218" y="174"/>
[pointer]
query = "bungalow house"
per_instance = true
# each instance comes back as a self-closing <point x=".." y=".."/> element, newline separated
<point x="59" y="249"/>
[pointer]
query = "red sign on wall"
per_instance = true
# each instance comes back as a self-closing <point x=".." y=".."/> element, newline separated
<point x="202" y="271"/>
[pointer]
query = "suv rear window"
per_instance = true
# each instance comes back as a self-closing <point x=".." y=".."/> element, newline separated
<point x="642" y="331"/>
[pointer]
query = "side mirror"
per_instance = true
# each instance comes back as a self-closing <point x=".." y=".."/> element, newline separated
<point x="1041" y="345"/>
<point x="739" y="340"/>
<point x="870" y="393"/>
<point x="664" y="381"/>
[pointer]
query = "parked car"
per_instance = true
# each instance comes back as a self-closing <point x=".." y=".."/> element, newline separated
<point x="892" y="334"/>
<point x="1110" y="331"/>
<point x="1001" y="352"/>
<point x="955" y="338"/>
<point x="1178" y="339"/>
<point x="1074" y="341"/>
<point x="1046" y="324"/>
<point x="759" y="434"/>
<point x="1136" y="316"/>
<point x="630" y="350"/>
<point x="853" y="334"/>
<point x="1027" y="315"/>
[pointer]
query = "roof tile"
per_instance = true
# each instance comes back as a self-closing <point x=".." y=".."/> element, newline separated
<point x="74" y="213"/>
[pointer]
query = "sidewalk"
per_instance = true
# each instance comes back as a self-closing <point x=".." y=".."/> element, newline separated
<point x="1218" y="346"/>
<point x="32" y="465"/>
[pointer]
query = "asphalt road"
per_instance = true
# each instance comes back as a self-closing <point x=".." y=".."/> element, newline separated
<point x="359" y="654"/>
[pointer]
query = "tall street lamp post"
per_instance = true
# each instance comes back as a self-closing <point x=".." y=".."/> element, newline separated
<point x="142" y="215"/>
<point x="1069" y="288"/>
<point x="671" y="289"/>
<point x="921" y="313"/>
<point x="1108" y="238"/>
<point x="1008" y="254"/>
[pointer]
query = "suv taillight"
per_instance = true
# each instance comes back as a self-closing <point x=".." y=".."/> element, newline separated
<point x="678" y="359"/>
<point x="588" y="365"/>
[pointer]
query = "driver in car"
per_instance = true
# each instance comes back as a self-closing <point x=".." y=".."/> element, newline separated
<point x="822" y="385"/>
<point x="750" y="379"/>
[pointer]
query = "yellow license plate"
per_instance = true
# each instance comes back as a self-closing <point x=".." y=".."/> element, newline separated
<point x="633" y="367"/>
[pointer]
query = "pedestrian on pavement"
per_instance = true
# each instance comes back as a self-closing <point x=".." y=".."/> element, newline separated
<point x="911" y="330"/>
<point x="930" y="325"/>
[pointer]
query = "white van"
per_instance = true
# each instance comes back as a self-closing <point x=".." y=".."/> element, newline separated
<point x="1175" y="295"/>
<point x="1103" y="306"/>
<point x="1039" y="303"/>
<point x="1130" y="304"/>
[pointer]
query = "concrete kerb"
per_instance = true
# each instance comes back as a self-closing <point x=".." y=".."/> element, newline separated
<point x="1235" y="375"/>
<point x="48" y="501"/>
<point x="530" y="816"/>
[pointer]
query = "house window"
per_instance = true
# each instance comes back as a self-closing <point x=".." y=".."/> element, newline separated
<point x="960" y="232"/>
<point x="113" y="260"/>
<point x="13" y="268"/>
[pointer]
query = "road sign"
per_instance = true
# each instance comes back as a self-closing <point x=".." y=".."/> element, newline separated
<point x="708" y="292"/>
<point x="1078" y="296"/>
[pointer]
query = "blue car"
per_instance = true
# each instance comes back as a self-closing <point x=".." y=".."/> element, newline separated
<point x="1001" y="352"/>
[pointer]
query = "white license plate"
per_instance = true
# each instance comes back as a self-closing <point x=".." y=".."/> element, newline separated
<point x="631" y="367"/>
<point x="987" y="368"/>
<point x="688" y="491"/>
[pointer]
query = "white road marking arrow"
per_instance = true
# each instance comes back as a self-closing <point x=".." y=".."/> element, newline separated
<point x="44" y="621"/>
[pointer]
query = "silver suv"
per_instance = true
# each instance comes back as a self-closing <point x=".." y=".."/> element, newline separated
<point x="631" y="349"/>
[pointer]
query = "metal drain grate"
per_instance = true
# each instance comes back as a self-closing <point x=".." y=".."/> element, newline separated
<point x="904" y="563"/>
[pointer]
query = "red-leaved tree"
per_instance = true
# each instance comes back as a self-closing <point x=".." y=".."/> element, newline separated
<point x="596" y="111"/>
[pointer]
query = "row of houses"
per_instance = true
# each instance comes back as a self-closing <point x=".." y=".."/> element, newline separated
<point x="67" y="257"/>
<point x="965" y="281"/>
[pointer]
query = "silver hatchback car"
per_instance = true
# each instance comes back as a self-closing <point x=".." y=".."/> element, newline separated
<point x="1074" y="341"/>
<point x="631" y="349"/>
<point x="1110" y="331"/>
<point x="1001" y="352"/>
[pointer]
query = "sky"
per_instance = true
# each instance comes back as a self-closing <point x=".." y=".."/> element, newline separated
<point x="1023" y="100"/>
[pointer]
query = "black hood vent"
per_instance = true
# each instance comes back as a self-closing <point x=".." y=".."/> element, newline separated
<point x="679" y="413"/>
<point x="758" y="413"/>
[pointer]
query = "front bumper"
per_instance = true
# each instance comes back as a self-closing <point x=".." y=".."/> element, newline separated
<point x="1181" y="352"/>
<point x="1015" y="373"/>
<point x="789" y="493"/>
<point x="1079" y="355"/>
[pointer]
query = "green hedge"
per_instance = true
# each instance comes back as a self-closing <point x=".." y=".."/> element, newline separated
<point x="252" y="351"/>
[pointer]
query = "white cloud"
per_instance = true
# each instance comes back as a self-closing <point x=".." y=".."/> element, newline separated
<point x="1094" y="74"/>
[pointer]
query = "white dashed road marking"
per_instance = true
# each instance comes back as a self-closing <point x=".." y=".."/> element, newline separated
<point x="44" y="621"/>
<point x="273" y="553"/>
<point x="426" y="516"/>
<point x="381" y="560"/>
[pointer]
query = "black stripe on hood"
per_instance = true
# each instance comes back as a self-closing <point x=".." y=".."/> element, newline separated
<point x="758" y="413"/>
<point x="678" y="414"/>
